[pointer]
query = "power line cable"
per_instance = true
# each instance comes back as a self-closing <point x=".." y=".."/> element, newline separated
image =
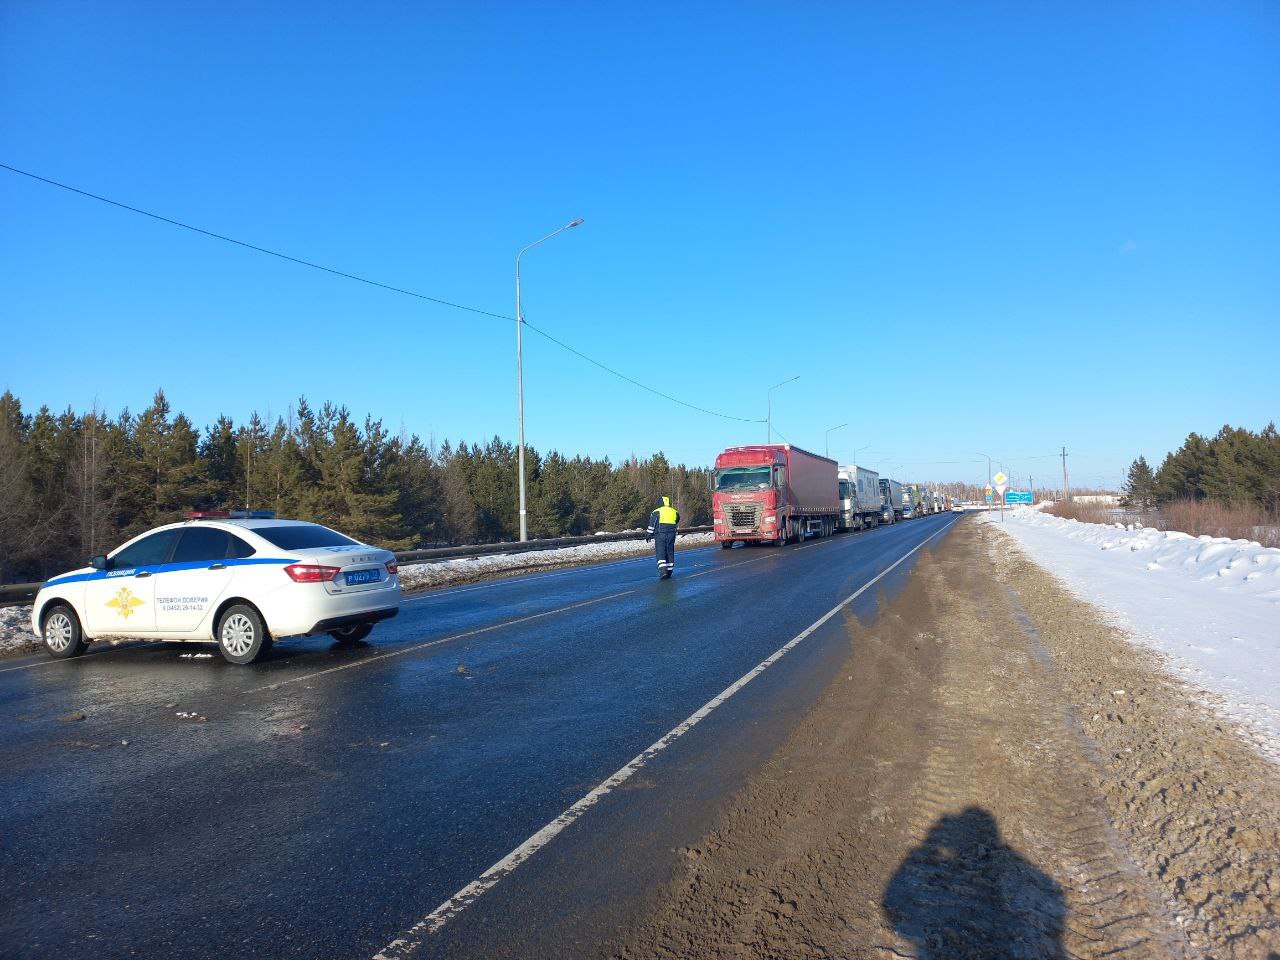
<point x="372" y="283"/>
<point x="251" y="246"/>
<point x="623" y="376"/>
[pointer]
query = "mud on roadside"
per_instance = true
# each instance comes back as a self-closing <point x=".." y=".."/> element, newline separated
<point x="996" y="772"/>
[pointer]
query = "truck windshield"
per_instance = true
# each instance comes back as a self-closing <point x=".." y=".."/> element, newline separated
<point x="846" y="490"/>
<point x="742" y="478"/>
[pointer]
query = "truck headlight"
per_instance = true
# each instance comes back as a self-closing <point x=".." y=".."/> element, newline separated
<point x="770" y="519"/>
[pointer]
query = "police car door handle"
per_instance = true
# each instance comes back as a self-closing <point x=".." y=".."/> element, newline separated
<point x="217" y="566"/>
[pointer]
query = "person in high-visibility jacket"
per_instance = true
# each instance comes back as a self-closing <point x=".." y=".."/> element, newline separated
<point x="662" y="531"/>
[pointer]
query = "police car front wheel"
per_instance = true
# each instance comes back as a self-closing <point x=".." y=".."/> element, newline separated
<point x="62" y="634"/>
<point x="242" y="636"/>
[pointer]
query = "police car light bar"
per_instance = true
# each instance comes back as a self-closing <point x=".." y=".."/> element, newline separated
<point x="205" y="515"/>
<point x="252" y="514"/>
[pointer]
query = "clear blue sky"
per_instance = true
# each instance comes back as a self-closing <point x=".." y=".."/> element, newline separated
<point x="992" y="227"/>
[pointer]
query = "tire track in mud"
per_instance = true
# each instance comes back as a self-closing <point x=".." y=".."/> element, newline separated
<point x="1005" y="773"/>
<point x="1197" y="808"/>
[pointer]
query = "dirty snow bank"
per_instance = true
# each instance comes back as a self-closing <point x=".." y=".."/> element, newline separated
<point x="15" y="628"/>
<point x="1210" y="604"/>
<point x="462" y="569"/>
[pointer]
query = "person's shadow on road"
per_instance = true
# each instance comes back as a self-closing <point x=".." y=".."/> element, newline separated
<point x="964" y="894"/>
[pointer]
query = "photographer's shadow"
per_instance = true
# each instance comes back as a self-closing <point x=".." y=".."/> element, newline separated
<point x="964" y="894"/>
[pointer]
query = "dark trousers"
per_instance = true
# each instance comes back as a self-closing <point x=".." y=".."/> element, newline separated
<point x="664" y="547"/>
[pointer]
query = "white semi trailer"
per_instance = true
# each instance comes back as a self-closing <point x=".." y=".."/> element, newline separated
<point x="859" y="498"/>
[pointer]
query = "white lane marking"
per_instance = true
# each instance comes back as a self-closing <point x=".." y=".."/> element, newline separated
<point x="404" y="946"/>
<point x="436" y="643"/>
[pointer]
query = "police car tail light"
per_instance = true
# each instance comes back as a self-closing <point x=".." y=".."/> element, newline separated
<point x="392" y="567"/>
<point x="310" y="572"/>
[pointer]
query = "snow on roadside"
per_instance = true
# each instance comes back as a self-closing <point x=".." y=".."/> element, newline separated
<point x="15" y="626"/>
<point x="441" y="573"/>
<point x="1210" y="604"/>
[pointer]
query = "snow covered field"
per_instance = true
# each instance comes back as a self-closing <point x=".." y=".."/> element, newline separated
<point x="1211" y="605"/>
<point x="15" y="629"/>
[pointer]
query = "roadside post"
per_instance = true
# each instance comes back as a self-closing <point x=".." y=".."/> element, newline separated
<point x="1000" y="481"/>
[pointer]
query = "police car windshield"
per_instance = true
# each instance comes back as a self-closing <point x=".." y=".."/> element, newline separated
<point x="302" y="536"/>
<point x="742" y="478"/>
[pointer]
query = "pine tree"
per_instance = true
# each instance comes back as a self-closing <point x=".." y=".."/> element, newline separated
<point x="170" y="462"/>
<point x="222" y="467"/>
<point x="19" y="508"/>
<point x="1140" y="484"/>
<point x="341" y="499"/>
<point x="458" y="507"/>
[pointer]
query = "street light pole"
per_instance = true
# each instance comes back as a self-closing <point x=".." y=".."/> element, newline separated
<point x="827" y="440"/>
<point x="769" y="396"/>
<point x="524" y="513"/>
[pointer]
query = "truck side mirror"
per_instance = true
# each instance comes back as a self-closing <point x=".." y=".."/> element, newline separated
<point x="98" y="563"/>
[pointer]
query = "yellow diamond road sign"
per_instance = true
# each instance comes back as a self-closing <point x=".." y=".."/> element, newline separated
<point x="999" y="478"/>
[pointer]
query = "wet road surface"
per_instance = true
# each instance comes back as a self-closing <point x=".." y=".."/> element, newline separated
<point x="323" y="802"/>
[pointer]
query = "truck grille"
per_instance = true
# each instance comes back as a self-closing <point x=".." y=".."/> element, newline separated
<point x="743" y="516"/>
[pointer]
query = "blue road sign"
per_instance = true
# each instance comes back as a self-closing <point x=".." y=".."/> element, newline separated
<point x="1017" y="496"/>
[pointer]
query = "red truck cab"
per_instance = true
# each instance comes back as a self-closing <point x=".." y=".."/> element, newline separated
<point x="773" y="493"/>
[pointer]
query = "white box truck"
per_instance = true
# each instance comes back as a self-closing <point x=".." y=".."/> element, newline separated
<point x="859" y="497"/>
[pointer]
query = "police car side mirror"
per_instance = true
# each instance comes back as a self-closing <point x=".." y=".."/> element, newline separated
<point x="98" y="562"/>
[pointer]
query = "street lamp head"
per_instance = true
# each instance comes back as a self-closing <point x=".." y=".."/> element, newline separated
<point x="575" y="223"/>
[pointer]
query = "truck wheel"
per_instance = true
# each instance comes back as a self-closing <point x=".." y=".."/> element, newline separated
<point x="242" y="636"/>
<point x="726" y="544"/>
<point x="62" y="635"/>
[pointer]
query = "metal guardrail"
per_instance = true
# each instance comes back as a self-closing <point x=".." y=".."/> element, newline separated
<point x="14" y="593"/>
<point x="18" y="592"/>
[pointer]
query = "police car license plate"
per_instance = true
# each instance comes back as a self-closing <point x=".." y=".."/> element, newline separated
<point x="362" y="576"/>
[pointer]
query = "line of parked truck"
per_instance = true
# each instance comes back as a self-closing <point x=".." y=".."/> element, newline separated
<point x="778" y="493"/>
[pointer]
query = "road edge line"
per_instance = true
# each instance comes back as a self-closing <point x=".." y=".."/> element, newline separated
<point x="404" y="946"/>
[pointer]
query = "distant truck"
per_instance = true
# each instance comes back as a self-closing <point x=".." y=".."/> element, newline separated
<point x="891" y="500"/>
<point x="860" y="503"/>
<point x="773" y="493"/>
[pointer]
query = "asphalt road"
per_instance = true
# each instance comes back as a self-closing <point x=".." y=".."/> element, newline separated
<point x="325" y="802"/>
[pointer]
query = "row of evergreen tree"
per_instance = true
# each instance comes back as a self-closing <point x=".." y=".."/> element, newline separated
<point x="1236" y="467"/>
<point x="76" y="484"/>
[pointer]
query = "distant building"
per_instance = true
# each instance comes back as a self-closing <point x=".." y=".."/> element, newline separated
<point x="1096" y="498"/>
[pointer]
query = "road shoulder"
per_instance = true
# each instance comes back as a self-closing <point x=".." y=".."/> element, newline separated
<point x="996" y="771"/>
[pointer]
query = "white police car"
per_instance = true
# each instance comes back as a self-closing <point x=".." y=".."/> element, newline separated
<point x="239" y="579"/>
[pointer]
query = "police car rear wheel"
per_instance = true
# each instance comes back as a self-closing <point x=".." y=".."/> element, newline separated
<point x="353" y="634"/>
<point x="62" y="635"/>
<point x="242" y="636"/>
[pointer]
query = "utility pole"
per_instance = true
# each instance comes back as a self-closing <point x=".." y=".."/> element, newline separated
<point x="1065" y="489"/>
